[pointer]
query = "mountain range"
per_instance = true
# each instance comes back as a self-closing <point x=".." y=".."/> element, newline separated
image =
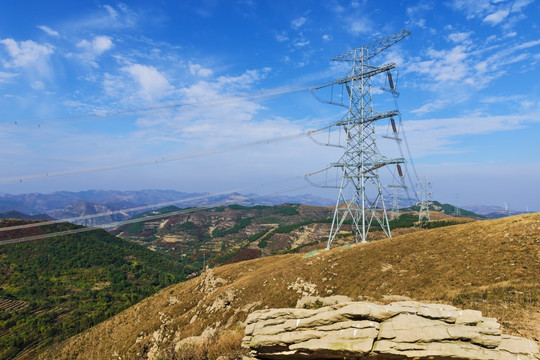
<point x="124" y="204"/>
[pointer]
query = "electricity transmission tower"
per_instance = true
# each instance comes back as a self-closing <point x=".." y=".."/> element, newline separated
<point x="457" y="210"/>
<point x="360" y="195"/>
<point x="395" y="206"/>
<point x="424" y="200"/>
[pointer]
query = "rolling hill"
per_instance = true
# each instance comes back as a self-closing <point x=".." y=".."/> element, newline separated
<point x="488" y="265"/>
<point x="228" y="233"/>
<point x="66" y="204"/>
<point x="234" y="233"/>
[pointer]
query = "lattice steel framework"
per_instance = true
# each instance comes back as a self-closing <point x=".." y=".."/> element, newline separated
<point x="360" y="195"/>
<point x="424" y="200"/>
<point x="457" y="210"/>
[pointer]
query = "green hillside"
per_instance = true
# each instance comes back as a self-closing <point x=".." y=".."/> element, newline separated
<point x="448" y="209"/>
<point x="64" y="285"/>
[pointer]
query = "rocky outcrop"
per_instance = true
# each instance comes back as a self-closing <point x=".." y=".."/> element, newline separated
<point x="400" y="330"/>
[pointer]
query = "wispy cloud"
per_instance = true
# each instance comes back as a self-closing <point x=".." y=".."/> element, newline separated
<point x="282" y="36"/>
<point x="465" y="68"/>
<point x="497" y="17"/>
<point x="298" y="22"/>
<point x="109" y="17"/>
<point x="493" y="13"/>
<point x="461" y="37"/>
<point x="152" y="84"/>
<point x="417" y="14"/>
<point x="48" y="30"/>
<point x="4" y="76"/>
<point x="440" y="136"/>
<point x="358" y="25"/>
<point x="198" y="70"/>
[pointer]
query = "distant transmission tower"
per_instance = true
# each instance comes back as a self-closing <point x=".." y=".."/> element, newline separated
<point x="424" y="200"/>
<point x="457" y="210"/>
<point x="395" y="206"/>
<point x="360" y="195"/>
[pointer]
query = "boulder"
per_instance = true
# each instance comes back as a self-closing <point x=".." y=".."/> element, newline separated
<point x="401" y="330"/>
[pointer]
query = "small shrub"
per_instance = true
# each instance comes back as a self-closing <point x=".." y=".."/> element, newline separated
<point x="317" y="304"/>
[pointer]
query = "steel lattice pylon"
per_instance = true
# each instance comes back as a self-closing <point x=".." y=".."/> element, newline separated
<point x="360" y="195"/>
<point x="424" y="200"/>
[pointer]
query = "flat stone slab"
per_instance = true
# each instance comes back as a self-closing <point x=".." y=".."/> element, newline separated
<point x="399" y="330"/>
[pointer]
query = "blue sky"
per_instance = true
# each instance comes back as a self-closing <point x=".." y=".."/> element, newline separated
<point x="72" y="74"/>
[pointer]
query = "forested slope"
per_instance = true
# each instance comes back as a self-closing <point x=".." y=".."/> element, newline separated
<point x="55" y="288"/>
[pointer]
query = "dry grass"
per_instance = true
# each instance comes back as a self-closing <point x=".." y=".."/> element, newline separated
<point x="490" y="265"/>
<point x="225" y="345"/>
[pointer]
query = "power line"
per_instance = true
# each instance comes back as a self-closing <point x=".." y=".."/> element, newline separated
<point x="142" y="208"/>
<point x="121" y="223"/>
<point x="177" y="157"/>
<point x="100" y="115"/>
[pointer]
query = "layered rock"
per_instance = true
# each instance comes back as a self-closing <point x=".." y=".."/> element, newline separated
<point x="400" y="330"/>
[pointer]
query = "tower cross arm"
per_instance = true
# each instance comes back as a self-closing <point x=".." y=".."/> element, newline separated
<point x="380" y="164"/>
<point x="370" y="50"/>
<point x="374" y="70"/>
<point x="369" y="119"/>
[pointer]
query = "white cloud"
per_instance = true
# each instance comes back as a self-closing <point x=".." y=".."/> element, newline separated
<point x="196" y="69"/>
<point x="298" y="23"/>
<point x="518" y="5"/>
<point x="100" y="44"/>
<point x="48" y="30"/>
<point x="301" y="43"/>
<point x="29" y="55"/>
<point x="109" y="17"/>
<point x="112" y="12"/>
<point x="327" y="37"/>
<point x="431" y="106"/>
<point x="4" y="76"/>
<point x="417" y="15"/>
<point x="244" y="80"/>
<point x="465" y="68"/>
<point x="496" y="17"/>
<point x="152" y="84"/>
<point x="282" y="37"/>
<point x="527" y="45"/>
<point x="94" y="48"/>
<point x="217" y="116"/>
<point x="358" y="25"/>
<point x="460" y="37"/>
<point x="493" y="12"/>
<point x="97" y="46"/>
<point x="472" y="9"/>
<point x="38" y="85"/>
<point x="444" y="65"/>
<point x="439" y="136"/>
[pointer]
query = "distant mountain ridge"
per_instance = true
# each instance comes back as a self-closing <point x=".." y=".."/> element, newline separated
<point x="22" y="216"/>
<point x="65" y="204"/>
<point x="493" y="212"/>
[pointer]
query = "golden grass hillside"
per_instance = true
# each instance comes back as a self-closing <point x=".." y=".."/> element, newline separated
<point x="492" y="266"/>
